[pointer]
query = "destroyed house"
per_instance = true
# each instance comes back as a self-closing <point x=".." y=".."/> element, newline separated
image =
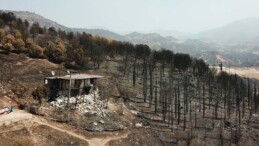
<point x="69" y="85"/>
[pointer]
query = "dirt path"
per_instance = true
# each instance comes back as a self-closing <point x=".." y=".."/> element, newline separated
<point x="59" y="129"/>
<point x="105" y="141"/>
<point x="91" y="141"/>
<point x="19" y="115"/>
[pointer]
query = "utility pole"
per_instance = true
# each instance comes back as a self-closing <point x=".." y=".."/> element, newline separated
<point x="69" y="88"/>
<point x="220" y="65"/>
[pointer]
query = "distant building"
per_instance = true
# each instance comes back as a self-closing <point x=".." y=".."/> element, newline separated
<point x="80" y="84"/>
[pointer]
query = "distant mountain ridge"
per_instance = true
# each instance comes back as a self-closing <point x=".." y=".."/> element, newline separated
<point x="154" y="40"/>
<point x="200" y="45"/>
<point x="241" y="31"/>
<point x="100" y="32"/>
<point x="149" y="38"/>
<point x="33" y="17"/>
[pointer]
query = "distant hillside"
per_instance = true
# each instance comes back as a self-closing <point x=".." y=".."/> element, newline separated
<point x="228" y="37"/>
<point x="33" y="17"/>
<point x="154" y="40"/>
<point x="101" y="32"/>
<point x="177" y="34"/>
<point x="148" y="38"/>
<point x="246" y="30"/>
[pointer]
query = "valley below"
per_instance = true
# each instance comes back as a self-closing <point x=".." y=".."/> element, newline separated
<point x="247" y="72"/>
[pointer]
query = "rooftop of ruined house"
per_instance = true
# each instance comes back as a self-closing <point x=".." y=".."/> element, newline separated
<point x="75" y="77"/>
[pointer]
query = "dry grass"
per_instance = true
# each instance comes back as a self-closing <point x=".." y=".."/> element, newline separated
<point x="251" y="72"/>
<point x="23" y="142"/>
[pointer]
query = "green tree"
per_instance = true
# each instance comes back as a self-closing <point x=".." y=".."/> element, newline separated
<point x="35" y="51"/>
<point x="19" y="45"/>
<point x="8" y="43"/>
<point x="77" y="55"/>
<point x="56" y="53"/>
<point x="35" y="29"/>
<point x="2" y="35"/>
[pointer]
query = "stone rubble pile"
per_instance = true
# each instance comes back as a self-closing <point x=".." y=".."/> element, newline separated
<point x="2" y="91"/>
<point x="6" y="93"/>
<point x="86" y="104"/>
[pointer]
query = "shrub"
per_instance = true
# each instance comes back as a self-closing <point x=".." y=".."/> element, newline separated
<point x="39" y="93"/>
<point x="56" y="53"/>
<point x="36" y="51"/>
<point x="127" y="93"/>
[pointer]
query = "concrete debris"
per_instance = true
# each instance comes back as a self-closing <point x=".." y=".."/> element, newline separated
<point x="145" y="123"/>
<point x="6" y="96"/>
<point x="90" y="105"/>
<point x="138" y="125"/>
<point x="101" y="121"/>
<point x="136" y="113"/>
<point x="6" y="93"/>
<point x="108" y="125"/>
<point x="142" y="123"/>
<point x="4" y="110"/>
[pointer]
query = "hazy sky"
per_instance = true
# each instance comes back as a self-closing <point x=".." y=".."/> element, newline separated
<point x="139" y="15"/>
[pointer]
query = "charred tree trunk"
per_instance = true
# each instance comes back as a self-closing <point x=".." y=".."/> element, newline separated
<point x="151" y="82"/>
<point x="178" y="103"/>
<point x="145" y="80"/>
<point x="134" y="72"/>
<point x="184" y="120"/>
<point x="216" y="108"/>
<point x="229" y="103"/>
<point x="185" y="107"/>
<point x="160" y="83"/>
<point x="255" y="99"/>
<point x="199" y="93"/>
<point x="195" y="115"/>
<point x="172" y="117"/>
<point x="156" y="95"/>
<point x="203" y="97"/>
<point x="210" y="94"/>
<point x="248" y="92"/>
<point x="125" y="63"/>
<point x="164" y="94"/>
<point x="175" y="102"/>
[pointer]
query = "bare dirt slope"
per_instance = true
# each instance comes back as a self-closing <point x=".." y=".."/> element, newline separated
<point x="16" y="116"/>
<point x="19" y="77"/>
<point x="250" y="72"/>
<point x="40" y="131"/>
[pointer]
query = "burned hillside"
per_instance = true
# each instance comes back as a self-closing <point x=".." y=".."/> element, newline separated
<point x="146" y="97"/>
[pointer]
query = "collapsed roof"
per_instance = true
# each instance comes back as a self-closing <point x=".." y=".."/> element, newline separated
<point x="75" y="77"/>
